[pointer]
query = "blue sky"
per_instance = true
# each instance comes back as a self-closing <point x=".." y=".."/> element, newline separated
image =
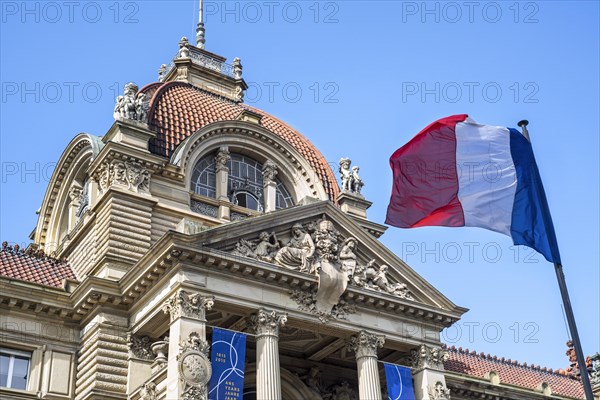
<point x="359" y="79"/>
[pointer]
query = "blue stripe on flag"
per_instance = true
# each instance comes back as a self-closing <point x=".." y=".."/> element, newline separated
<point x="531" y="221"/>
<point x="399" y="382"/>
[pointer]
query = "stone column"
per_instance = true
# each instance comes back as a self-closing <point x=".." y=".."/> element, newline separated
<point x="268" y="373"/>
<point x="428" y="373"/>
<point x="365" y="346"/>
<point x="222" y="178"/>
<point x="188" y="324"/>
<point x="269" y="186"/>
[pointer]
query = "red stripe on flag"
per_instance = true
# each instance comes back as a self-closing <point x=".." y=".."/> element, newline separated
<point x="425" y="187"/>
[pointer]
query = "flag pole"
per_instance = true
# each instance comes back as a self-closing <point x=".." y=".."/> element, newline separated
<point x="562" y="284"/>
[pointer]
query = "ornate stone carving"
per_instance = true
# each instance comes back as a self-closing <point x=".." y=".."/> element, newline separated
<point x="351" y="181"/>
<point x="297" y="253"/>
<point x="264" y="249"/>
<point x="313" y="379"/>
<point x="129" y="174"/>
<point x="375" y="278"/>
<point x="221" y="159"/>
<point x="348" y="257"/>
<point x="438" y="391"/>
<point x="365" y="344"/>
<point x="162" y="73"/>
<point x="236" y="216"/>
<point x="75" y="194"/>
<point x="595" y="372"/>
<point x="132" y="104"/>
<point x="148" y="392"/>
<point x="237" y="68"/>
<point x="269" y="171"/>
<point x="267" y="323"/>
<point x="194" y="366"/>
<point x="187" y="305"/>
<point x="204" y="208"/>
<point x="140" y="347"/>
<point x="184" y="50"/>
<point x="427" y="357"/>
<point x="308" y="302"/>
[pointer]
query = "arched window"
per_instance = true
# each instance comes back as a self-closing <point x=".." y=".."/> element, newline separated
<point x="204" y="180"/>
<point x="244" y="183"/>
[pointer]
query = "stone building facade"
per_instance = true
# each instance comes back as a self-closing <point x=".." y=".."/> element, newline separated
<point x="196" y="211"/>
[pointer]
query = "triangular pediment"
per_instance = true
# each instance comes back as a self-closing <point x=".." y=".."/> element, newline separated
<point x="243" y="239"/>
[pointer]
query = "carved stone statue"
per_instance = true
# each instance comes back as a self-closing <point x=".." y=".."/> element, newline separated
<point x="184" y="50"/>
<point x="297" y="252"/>
<point x="348" y="258"/>
<point x="237" y="68"/>
<point x="132" y="104"/>
<point x="313" y="379"/>
<point x="357" y="183"/>
<point x="351" y="181"/>
<point x="266" y="246"/>
<point x="345" y="173"/>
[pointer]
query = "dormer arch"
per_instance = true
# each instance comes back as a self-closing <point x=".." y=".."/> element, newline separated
<point x="259" y="144"/>
<point x="69" y="193"/>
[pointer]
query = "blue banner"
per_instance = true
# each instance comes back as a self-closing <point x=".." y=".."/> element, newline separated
<point x="228" y="355"/>
<point x="399" y="382"/>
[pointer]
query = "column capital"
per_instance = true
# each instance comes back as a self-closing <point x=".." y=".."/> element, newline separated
<point x="190" y="305"/>
<point x="428" y="357"/>
<point x="365" y="344"/>
<point x="267" y="323"/>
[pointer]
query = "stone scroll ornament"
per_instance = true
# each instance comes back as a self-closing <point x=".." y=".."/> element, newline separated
<point x="133" y="104"/>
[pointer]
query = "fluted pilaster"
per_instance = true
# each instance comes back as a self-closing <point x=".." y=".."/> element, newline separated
<point x="365" y="347"/>
<point x="268" y="374"/>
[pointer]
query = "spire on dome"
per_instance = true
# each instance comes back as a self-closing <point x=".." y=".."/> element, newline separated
<point x="200" y="31"/>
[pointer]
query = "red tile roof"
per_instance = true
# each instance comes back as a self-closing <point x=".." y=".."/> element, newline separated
<point x="512" y="372"/>
<point x="178" y="109"/>
<point x="33" y="266"/>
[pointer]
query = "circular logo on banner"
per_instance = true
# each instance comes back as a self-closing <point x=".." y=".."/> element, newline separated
<point x="195" y="368"/>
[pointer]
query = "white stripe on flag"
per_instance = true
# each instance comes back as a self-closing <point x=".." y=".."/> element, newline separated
<point x="486" y="175"/>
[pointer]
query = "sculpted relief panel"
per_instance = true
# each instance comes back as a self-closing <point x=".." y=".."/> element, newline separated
<point x="318" y="248"/>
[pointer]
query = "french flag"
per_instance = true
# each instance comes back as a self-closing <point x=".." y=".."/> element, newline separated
<point x="456" y="172"/>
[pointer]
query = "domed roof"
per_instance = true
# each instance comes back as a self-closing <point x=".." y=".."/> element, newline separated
<point x="178" y="109"/>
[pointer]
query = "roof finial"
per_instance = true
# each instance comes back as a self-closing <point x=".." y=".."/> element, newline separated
<point x="200" y="31"/>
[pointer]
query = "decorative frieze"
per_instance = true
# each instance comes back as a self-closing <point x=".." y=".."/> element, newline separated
<point x="428" y="357"/>
<point x="128" y="174"/>
<point x="204" y="208"/>
<point x="140" y="347"/>
<point x="268" y="323"/>
<point x="365" y="344"/>
<point x="187" y="305"/>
